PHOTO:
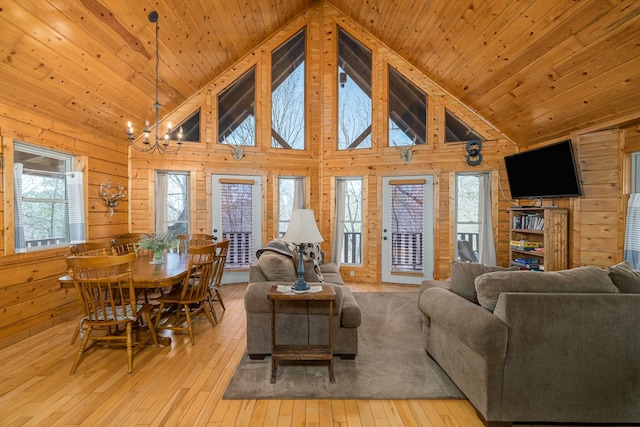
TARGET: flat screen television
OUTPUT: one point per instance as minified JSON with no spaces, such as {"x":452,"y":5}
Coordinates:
{"x":545,"y":172}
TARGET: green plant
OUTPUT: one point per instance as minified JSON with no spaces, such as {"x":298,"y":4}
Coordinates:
{"x":158,"y":242}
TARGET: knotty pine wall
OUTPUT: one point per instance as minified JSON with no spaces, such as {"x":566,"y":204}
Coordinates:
{"x":31,"y":300}
{"x":321,"y":163}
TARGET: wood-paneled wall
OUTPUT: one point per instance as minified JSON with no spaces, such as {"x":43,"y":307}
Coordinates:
{"x":31,"y":300}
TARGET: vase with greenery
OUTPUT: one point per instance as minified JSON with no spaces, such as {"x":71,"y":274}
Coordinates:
{"x":158,"y":243}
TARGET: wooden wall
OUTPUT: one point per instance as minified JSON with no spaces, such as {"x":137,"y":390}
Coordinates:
{"x":322,"y":162}
{"x":31,"y":300}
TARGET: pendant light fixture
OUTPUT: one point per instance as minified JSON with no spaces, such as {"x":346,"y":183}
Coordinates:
{"x":162,"y":145}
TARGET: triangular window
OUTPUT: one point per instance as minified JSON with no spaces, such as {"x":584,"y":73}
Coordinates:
{"x":457,"y":130}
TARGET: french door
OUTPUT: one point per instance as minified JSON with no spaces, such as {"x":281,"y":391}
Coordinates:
{"x":237,"y":216}
{"x":407,"y":229}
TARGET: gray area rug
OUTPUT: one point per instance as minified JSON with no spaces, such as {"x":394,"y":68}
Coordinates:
{"x":391,"y":362}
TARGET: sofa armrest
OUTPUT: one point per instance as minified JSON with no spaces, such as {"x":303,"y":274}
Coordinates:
{"x":351,"y":315}
{"x":572,"y":355}
{"x":255,"y":274}
{"x":426,"y":284}
{"x":471,"y":324}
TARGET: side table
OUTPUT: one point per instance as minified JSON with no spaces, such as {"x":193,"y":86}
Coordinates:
{"x":302,"y":352}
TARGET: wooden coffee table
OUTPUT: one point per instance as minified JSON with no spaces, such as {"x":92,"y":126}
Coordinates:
{"x":302,"y":352}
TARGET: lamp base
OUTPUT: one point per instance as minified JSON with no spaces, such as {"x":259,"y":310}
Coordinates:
{"x":300,"y":286}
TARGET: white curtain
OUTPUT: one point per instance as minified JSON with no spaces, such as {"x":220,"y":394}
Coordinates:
{"x":338,"y":232}
{"x":75,"y":200}
{"x":161,"y":201}
{"x":632,"y":234}
{"x":486,"y":244}
{"x":21,"y":245}
{"x":299,"y":201}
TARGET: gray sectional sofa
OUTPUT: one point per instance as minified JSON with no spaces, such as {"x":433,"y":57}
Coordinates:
{"x":560,"y":347}
{"x":298,"y":322}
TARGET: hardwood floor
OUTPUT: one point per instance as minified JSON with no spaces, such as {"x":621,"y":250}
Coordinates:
{"x":181,"y":385}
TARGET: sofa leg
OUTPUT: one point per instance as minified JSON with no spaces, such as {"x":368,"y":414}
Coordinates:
{"x":257,"y":356}
{"x":346,"y":356}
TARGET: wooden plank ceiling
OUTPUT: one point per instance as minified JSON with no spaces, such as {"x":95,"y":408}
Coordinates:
{"x":536,"y":70}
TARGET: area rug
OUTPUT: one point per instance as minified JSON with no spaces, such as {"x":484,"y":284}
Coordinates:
{"x":391,"y":362}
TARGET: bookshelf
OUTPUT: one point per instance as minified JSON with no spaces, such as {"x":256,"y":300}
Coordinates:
{"x":539,"y":238}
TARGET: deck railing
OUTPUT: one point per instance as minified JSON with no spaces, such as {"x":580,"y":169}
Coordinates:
{"x":45,"y":242}
{"x":240,"y":248}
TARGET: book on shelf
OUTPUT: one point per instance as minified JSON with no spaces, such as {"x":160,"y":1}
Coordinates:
{"x":528,"y":222}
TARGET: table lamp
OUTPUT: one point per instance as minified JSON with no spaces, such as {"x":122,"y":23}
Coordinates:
{"x":302,"y":230}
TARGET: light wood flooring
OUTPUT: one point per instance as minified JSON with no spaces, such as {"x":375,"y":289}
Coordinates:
{"x":181,"y":385}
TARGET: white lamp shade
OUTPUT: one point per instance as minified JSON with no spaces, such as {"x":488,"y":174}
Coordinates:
{"x":302,"y":228}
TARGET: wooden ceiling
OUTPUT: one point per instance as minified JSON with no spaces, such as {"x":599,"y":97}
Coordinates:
{"x":537,"y":70}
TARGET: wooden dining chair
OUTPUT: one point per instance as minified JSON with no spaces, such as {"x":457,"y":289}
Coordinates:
{"x":222,"y":248}
{"x":188,"y":301}
{"x":89,"y":248}
{"x":185,"y":241}
{"x":105,"y":290}
{"x":126,"y":243}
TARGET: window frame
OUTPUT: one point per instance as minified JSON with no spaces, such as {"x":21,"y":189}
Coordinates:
{"x":343,"y":220}
{"x":69,"y":164}
{"x":635,"y":172}
{"x":187,"y":192}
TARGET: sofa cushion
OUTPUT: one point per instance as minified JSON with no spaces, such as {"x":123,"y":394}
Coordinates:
{"x":626,"y":279}
{"x":576,"y":280}
{"x":276,"y":266}
{"x":463,"y":275}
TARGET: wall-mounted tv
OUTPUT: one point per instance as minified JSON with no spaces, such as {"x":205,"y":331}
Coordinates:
{"x":545,"y":172}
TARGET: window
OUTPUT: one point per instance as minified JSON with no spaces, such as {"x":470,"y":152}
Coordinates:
{"x":287,"y":94}
{"x":236,"y":111}
{"x":291,"y":195}
{"x":474,"y":229}
{"x":354,"y":93}
{"x":635,"y":171}
{"x":172,"y":202}
{"x":467,"y":217}
{"x":349,"y":206}
{"x":190,"y":128}
{"x":48,"y":196}
{"x":457,"y":130}
{"x":407,"y":112}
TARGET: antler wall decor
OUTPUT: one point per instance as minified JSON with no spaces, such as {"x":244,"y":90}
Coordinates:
{"x":405,"y":152}
{"x":112,"y":198}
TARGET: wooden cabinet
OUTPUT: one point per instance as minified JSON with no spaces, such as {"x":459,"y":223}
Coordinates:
{"x":539,"y":238}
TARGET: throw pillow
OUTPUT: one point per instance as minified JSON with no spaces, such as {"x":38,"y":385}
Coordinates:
{"x":277,"y":267}
{"x":576,"y":280}
{"x":626,"y":279}
{"x":463,"y":275}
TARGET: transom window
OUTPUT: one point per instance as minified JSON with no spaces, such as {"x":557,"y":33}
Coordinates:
{"x":407,"y":111}
{"x":288,"y":94}
{"x":457,"y":130}
{"x":236,"y":111}
{"x":354,"y":93}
